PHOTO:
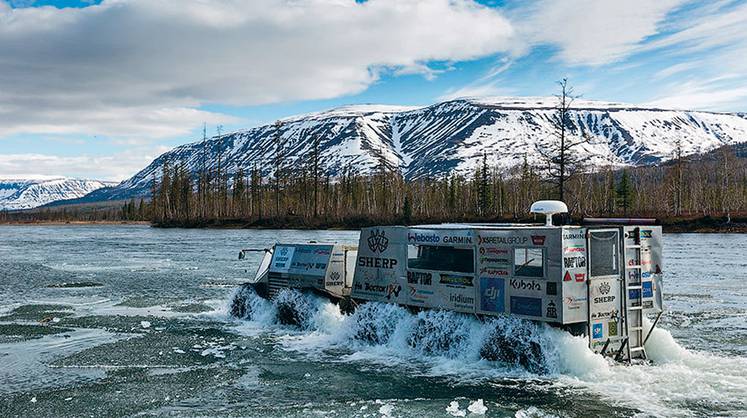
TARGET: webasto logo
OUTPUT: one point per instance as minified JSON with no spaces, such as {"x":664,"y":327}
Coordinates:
{"x":415,"y":237}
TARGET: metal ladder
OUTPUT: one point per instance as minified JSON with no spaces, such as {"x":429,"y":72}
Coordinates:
{"x":633,"y":296}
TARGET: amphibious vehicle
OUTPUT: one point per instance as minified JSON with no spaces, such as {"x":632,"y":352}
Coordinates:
{"x":598,"y":279}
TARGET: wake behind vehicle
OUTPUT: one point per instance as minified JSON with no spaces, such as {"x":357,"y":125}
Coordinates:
{"x":598,"y":280}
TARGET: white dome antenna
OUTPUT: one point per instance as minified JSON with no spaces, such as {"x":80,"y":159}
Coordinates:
{"x":548,"y":208}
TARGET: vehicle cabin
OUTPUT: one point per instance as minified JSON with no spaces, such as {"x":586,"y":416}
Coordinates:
{"x":596,"y":280}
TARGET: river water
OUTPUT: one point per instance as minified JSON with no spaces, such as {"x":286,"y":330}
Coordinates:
{"x":131,"y":320}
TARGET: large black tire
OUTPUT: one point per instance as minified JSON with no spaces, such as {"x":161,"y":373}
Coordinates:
{"x":240,"y":306}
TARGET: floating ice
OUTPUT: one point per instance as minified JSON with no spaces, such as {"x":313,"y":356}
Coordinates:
{"x":386,"y":410}
{"x":145,"y":324}
{"x":454,"y":410}
{"x":33,"y":400}
{"x":477,"y":407}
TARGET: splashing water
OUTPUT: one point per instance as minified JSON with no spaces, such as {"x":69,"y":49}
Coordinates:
{"x":463,"y":348}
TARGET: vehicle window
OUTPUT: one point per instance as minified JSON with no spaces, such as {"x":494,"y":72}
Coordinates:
{"x":432,"y":257}
{"x":529,"y":262}
{"x":604,"y":253}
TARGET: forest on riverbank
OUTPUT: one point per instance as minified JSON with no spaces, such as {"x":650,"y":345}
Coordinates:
{"x":705,"y":192}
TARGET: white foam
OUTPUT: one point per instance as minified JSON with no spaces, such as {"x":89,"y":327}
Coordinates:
{"x":447,"y":344}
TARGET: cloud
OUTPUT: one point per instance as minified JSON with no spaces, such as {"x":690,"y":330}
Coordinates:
{"x":114,"y":167}
{"x":710,"y":46}
{"x":592,"y":32}
{"x":712,"y":94}
{"x":490,"y":84}
{"x":143,"y":68}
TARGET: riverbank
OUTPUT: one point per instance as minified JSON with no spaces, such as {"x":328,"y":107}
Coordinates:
{"x":57,"y":223}
{"x":703,"y":224}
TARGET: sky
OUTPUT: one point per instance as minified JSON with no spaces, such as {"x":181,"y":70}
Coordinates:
{"x":97,"y":89}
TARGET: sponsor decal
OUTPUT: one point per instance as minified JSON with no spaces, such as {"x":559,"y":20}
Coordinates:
{"x":612,"y":328}
{"x":455,"y":281}
{"x":492,"y":292}
{"x":574,"y":302}
{"x":377,"y":262}
{"x":322,"y":252}
{"x":494,"y":260}
{"x":633,"y":275}
{"x":425,"y":238}
{"x":298,"y":265}
{"x":458,"y":240}
{"x":648,"y":304}
{"x":525,"y":285}
{"x":428,"y":238}
{"x":597,"y":331}
{"x":335,"y":279}
{"x":567,"y":277}
{"x":604,"y":299}
{"x":646,"y":233}
{"x":393,"y":291}
{"x":580,"y":277}
{"x":378,"y":242}
{"x":538,"y":239}
{"x":603,"y":315}
{"x":574,"y":262}
{"x":552,"y":288}
{"x":494,"y":272}
{"x":575,"y":249}
{"x":526,"y":306}
{"x":417,"y":277}
{"x":419,"y":295}
{"x":494,"y":250}
{"x":462,"y":301}
{"x":552,"y":311}
{"x":502,"y":240}
{"x":604,"y":290}
{"x":657,"y":270}
{"x":648,"y":289}
{"x":646,"y":274}
{"x":282,"y":258}
{"x":574,"y":235}
{"x":370,"y":287}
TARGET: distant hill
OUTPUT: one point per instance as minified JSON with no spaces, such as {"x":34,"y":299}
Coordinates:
{"x":17,"y":194}
{"x":449,"y":137}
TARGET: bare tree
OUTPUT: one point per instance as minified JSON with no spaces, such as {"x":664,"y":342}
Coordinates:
{"x":560,"y":158}
{"x":278,"y":164}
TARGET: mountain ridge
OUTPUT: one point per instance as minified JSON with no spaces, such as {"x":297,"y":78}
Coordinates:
{"x":450,"y":136}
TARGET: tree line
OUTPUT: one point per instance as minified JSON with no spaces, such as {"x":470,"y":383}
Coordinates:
{"x":714,"y":184}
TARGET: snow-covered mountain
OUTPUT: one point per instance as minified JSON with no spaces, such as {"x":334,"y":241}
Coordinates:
{"x":18,"y":194}
{"x":451,"y":137}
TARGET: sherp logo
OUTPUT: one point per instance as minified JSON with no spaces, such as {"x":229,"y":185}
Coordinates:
{"x":378,"y":242}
